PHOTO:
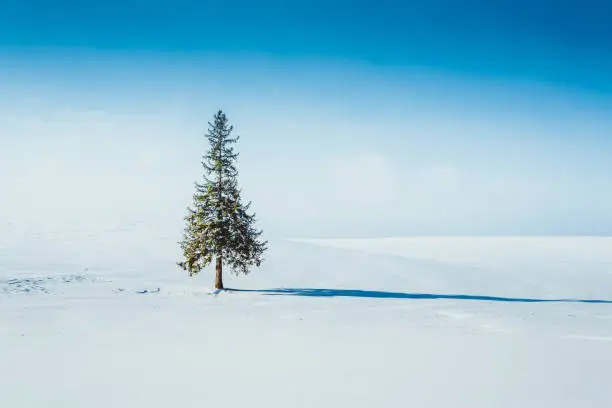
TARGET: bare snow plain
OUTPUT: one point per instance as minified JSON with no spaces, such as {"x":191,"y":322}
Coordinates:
{"x":105,"y":319}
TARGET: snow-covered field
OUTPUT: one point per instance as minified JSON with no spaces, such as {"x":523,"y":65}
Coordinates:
{"x":107,"y":320}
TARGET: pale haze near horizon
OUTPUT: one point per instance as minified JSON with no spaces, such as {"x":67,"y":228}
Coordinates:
{"x":326,"y":150}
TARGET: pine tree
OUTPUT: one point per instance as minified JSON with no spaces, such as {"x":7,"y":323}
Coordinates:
{"x":218,"y":225}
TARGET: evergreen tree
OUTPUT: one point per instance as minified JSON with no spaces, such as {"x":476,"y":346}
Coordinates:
{"x":218,"y":225}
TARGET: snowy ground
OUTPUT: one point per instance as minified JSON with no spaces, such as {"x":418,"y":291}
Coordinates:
{"x":107,"y":321}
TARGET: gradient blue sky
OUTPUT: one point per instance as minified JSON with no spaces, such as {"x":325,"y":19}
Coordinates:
{"x":358,"y":118}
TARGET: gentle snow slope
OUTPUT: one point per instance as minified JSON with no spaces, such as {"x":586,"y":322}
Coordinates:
{"x":106,"y":321}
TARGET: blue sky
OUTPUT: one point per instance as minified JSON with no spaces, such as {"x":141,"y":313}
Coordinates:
{"x":561,"y":41}
{"x":368,"y":118}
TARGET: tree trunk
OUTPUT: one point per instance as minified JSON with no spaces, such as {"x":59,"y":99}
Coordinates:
{"x":219,"y":274}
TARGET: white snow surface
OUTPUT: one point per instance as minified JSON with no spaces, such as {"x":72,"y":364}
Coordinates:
{"x":105,"y":319}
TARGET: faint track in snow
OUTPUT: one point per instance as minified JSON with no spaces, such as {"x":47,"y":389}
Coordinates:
{"x":41,"y":284}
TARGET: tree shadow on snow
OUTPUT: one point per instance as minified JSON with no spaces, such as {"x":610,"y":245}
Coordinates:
{"x":356,"y":293}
